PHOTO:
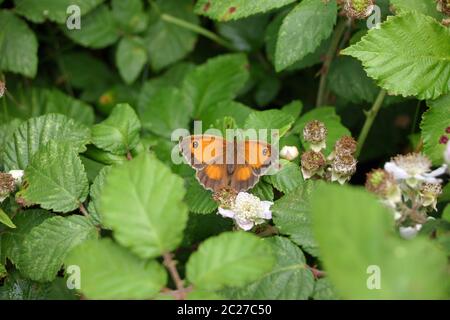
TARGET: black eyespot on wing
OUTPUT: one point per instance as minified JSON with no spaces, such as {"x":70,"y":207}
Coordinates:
{"x":195,"y":144}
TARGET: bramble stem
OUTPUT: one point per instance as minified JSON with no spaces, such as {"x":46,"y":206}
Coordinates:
{"x":83,"y":210}
{"x":370,"y":118}
{"x":337,"y":35}
{"x":170,"y":264}
{"x":197,"y":29}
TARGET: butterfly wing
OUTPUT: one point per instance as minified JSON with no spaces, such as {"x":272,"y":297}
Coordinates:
{"x":257,"y":159}
{"x":206,"y":154}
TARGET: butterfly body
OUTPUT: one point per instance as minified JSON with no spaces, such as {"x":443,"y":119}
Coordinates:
{"x":226,"y":164}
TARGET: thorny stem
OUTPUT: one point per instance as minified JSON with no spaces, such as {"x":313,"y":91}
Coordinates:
{"x":177,"y":294}
{"x":370,"y":117}
{"x":197,"y":29}
{"x":170,"y":264}
{"x":316,"y":272}
{"x":83,"y":210}
{"x":337,"y":35}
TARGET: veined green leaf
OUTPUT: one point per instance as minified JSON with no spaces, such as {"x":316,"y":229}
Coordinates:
{"x":6,"y":220}
{"x":229,"y":259}
{"x":18,"y":46}
{"x":47,"y":245}
{"x":224,"y":10}
{"x":55,"y":179}
{"x":303,"y":30}
{"x":109,"y":271}
{"x":142,"y":203}
{"x":409,"y":55}
{"x":131,"y":57}
{"x":119,"y":133}
{"x":37,"y":132}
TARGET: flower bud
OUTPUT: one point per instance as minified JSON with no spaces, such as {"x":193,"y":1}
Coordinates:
{"x":429,"y":193}
{"x":383,"y":184}
{"x":225,"y":197}
{"x":357,"y":9}
{"x":444,"y":6}
{"x":343,"y":167}
{"x":345,"y":145}
{"x":7,"y":185}
{"x":289,"y":152}
{"x":409,"y":232}
{"x":312,"y":163}
{"x":315,"y":133}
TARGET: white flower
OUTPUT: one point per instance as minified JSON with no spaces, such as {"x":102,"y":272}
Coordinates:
{"x":409,"y":232}
{"x":248,"y":211}
{"x":289,"y":152}
{"x":17,"y":176}
{"x":413,"y":168}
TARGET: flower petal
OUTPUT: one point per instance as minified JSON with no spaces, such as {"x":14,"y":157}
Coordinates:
{"x":245,"y":225}
{"x":226,"y":213}
{"x":439,"y":171}
{"x":396,"y":171}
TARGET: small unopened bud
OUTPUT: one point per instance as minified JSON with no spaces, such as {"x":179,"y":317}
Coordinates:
{"x":2,"y":88}
{"x":383,"y":184}
{"x":429,"y":193}
{"x":315,"y":133}
{"x":343,"y":167}
{"x":312,"y":163}
{"x":7,"y":185}
{"x":444,"y":6}
{"x":225,"y":197}
{"x":345,"y":145}
{"x":357,"y":9}
{"x":289,"y":152}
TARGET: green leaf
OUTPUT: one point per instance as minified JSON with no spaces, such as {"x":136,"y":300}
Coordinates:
{"x":156,"y":222}
{"x":289,"y":279}
{"x":424,"y":7}
{"x":244,"y":34}
{"x":130,"y":58}
{"x":36,"y":101}
{"x":294,"y":109}
{"x":331,"y":120}
{"x":198,"y":199}
{"x":263,"y":190}
{"x":434,"y":123}
{"x":6,"y":220}
{"x":270,"y":119}
{"x":98,"y":29}
{"x":55,"y":179}
{"x":288,"y":178}
{"x":324,"y":290}
{"x":37,"y":132}
{"x":53,"y":10}
{"x":95,"y":194}
{"x":130,"y":15}
{"x":12,"y":240}
{"x":301,"y":33}
{"x":18,"y":46}
{"x":224,"y":10}
{"x":219,"y":79}
{"x":119,"y":133}
{"x":292,"y":216}
{"x":166,"y":111}
{"x":229,"y":259}
{"x":168,"y":42}
{"x":47,"y":245}
{"x":368,"y":241}
{"x":348,"y":80}
{"x":16,"y":287}
{"x":233,"y":109}
{"x":409,"y":55}
{"x":3,"y":273}
{"x":108,"y":271}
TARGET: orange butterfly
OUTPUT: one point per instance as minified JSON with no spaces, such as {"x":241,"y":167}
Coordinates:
{"x":224,"y":164}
